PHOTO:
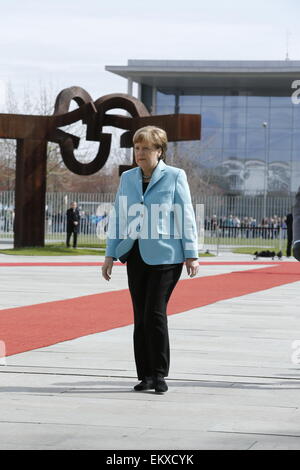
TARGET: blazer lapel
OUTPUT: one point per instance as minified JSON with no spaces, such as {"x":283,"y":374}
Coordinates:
{"x":156,"y":176}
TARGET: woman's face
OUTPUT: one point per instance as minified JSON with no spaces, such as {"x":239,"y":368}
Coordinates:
{"x":146,"y":154}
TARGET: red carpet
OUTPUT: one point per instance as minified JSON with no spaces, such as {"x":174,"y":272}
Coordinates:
{"x":36,"y":326}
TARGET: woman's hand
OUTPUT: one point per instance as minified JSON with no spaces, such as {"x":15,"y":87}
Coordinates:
{"x":107,"y":267}
{"x":192,"y":266}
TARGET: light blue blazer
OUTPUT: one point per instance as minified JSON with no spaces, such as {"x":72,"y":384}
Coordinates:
{"x":162,"y":219}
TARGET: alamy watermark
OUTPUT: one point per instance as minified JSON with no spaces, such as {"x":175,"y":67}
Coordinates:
{"x":176,"y":221}
{"x":296,"y":94}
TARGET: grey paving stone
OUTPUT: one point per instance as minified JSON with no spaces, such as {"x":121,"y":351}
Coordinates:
{"x":232,"y":381}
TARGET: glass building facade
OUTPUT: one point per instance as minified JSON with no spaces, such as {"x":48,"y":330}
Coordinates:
{"x":251,"y":140}
{"x":250,"y":130}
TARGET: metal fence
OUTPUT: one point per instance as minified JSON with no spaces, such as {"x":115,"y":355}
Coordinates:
{"x":226,"y":223}
{"x":245,"y":222}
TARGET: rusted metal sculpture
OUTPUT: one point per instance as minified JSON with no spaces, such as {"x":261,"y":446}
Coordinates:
{"x":33,"y":132}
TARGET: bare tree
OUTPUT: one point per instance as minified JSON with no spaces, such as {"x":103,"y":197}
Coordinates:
{"x":202,"y":179}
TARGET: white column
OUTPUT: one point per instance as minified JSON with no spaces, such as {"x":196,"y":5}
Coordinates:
{"x":153,"y":106}
{"x":129,"y":86}
{"x":139,"y":91}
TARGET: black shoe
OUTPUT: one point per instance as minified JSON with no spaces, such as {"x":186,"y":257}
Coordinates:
{"x":146,"y":384}
{"x":160,"y":385}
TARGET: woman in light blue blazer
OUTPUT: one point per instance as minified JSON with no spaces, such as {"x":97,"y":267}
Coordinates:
{"x":152,"y":228}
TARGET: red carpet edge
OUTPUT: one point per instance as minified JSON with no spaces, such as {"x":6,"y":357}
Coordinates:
{"x":36,"y":326}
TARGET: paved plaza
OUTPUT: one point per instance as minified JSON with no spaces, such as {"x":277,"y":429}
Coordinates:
{"x":234,"y":380}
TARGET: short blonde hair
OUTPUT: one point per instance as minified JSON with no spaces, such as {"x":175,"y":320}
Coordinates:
{"x":153,"y":135}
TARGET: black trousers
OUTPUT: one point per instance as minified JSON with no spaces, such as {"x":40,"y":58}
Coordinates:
{"x":150,"y":288}
{"x":74,"y":239}
{"x":289,"y":243}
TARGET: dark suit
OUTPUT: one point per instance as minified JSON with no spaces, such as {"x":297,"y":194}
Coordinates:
{"x":72,"y":228}
{"x":150,"y":287}
{"x":296,"y":227}
{"x":289,"y":226}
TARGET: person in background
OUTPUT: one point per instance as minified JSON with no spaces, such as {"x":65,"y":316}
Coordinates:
{"x":289,"y":229}
{"x":296,"y":226}
{"x":73,"y":220}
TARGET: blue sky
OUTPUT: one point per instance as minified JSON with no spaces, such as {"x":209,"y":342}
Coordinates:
{"x":69,"y":42}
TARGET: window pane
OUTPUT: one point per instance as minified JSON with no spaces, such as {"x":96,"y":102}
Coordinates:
{"x":234,"y":138}
{"x":258,"y":101}
{"x":210,"y":157}
{"x":234,"y":153}
{"x":235,"y":117}
{"x":256,"y":117}
{"x":258,"y":155}
{"x":280,"y":156}
{"x":189,"y":109}
{"x":296,"y":109}
{"x":189,"y":149}
{"x":295,"y":172}
{"x":160,"y":109}
{"x":212,"y":116}
{"x":256,"y":138}
{"x":212,"y":137}
{"x":279,"y":101}
{"x":214,"y":100}
{"x":280,"y":139}
{"x":190,"y":100}
{"x":296,"y":142}
{"x":165,"y":99}
{"x":281,"y":118}
{"x":279,"y":176}
{"x":235,"y":101}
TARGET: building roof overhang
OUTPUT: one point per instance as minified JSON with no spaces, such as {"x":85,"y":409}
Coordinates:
{"x":197,"y":74}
